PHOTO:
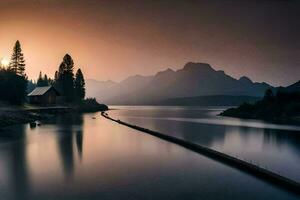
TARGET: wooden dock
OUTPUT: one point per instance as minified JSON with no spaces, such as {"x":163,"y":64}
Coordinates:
{"x":264,"y":174}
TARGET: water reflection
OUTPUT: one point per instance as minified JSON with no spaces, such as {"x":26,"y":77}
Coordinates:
{"x":79,"y":157}
{"x":70,"y":127}
{"x":274,"y":146}
{"x":14,"y":166}
{"x":17,"y":164}
{"x":79,"y":142}
{"x":18,"y":148}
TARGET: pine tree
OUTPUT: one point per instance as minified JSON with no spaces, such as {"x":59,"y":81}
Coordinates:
{"x":40,"y":80}
{"x":45,"y":80}
{"x":79,"y":85}
{"x":69,"y":64}
{"x":65,"y":78}
{"x":17,"y":62}
{"x":56,"y":76}
{"x":13,"y":87}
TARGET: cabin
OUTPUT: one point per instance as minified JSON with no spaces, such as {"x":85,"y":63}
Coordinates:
{"x":43,"y":95}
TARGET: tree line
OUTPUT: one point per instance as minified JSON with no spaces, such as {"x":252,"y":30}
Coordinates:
{"x":71,"y":86}
{"x":283,"y":106}
{"x":14,"y":83}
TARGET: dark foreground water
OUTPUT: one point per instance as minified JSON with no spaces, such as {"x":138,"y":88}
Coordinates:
{"x":89,"y":157}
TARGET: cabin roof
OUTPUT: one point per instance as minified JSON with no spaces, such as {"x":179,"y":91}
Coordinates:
{"x":39,"y":91}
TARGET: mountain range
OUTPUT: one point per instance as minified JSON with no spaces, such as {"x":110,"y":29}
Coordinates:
{"x":292,"y":88}
{"x":193,"y":80}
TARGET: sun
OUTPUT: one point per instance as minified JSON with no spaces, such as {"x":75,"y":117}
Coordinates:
{"x":4,"y":62}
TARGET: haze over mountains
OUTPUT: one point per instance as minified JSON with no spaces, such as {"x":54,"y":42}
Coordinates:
{"x":194,"y":79}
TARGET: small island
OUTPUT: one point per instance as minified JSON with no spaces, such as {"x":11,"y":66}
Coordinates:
{"x":283,"y":107}
{"x":26,"y":100}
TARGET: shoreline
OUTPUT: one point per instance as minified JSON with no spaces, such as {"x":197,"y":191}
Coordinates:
{"x":23,"y":116}
{"x":284,"y":121}
{"x":259,"y":172}
{"x":9,"y":117}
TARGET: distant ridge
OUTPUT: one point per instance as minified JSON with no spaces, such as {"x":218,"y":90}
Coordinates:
{"x":214,"y":100}
{"x":293,"y":88}
{"x":193,"y":80}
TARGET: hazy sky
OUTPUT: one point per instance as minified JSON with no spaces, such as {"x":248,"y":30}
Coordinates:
{"x":112,"y":39}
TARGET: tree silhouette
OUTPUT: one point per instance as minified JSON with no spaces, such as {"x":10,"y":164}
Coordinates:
{"x":65,"y":78}
{"x":43,"y":81}
{"x":12,"y":86}
{"x":79,"y":85}
{"x":283,"y":106}
{"x":13,"y":80}
{"x":17,"y":62}
{"x":269,"y":96}
{"x":40,"y":80}
{"x":31,"y":85}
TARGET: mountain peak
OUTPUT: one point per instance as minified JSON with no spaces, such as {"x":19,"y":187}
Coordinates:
{"x":197,"y":66}
{"x":245,"y":79}
{"x":167,"y":71}
{"x":100,"y":82}
{"x":135,"y":77}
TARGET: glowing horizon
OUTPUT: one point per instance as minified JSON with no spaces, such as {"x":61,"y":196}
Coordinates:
{"x":4,"y":62}
{"x":111,"y":40}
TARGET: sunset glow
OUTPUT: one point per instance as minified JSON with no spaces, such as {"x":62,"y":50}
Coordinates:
{"x":4,"y":62}
{"x":111,"y":40}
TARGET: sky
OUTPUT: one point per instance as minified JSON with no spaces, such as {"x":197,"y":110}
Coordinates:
{"x":113,"y":39}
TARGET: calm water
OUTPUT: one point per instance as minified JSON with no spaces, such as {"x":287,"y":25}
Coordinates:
{"x":272,"y":146}
{"x":89,"y":157}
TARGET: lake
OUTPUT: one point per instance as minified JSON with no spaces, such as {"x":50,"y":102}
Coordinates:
{"x":272,"y":146}
{"x":89,"y":157}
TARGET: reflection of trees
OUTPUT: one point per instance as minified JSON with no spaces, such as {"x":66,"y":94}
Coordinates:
{"x":283,"y":137}
{"x":205,"y":134}
{"x":14,"y":156}
{"x":70,"y":127}
{"x":65,"y":146}
{"x":17,"y":163}
{"x":79,"y":141}
{"x":208,"y":134}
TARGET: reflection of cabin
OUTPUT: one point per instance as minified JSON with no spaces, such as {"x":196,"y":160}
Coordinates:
{"x":43,"y":95}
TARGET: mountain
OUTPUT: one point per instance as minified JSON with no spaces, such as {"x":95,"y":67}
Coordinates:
{"x":94,"y":86}
{"x":293,"y":88}
{"x":194,"y":79}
